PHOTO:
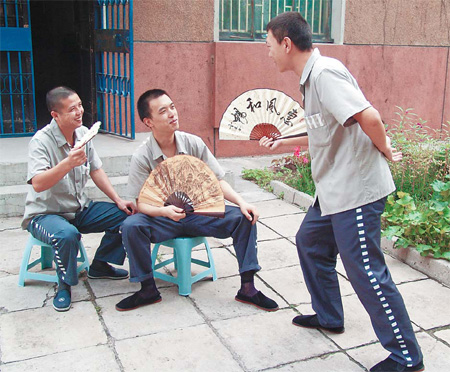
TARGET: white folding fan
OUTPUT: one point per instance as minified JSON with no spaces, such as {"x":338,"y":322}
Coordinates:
{"x":187,"y":183}
{"x":262,"y":112}
{"x":91,"y":133}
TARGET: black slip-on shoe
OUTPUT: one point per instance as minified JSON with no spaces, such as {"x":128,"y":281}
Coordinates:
{"x":259,"y":300}
{"x":109,"y":273}
{"x":311,"y":321}
{"x":135,"y":301}
{"x":390,"y":365}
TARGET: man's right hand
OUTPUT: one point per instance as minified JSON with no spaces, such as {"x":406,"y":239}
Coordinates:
{"x":174,"y":213}
{"x":77,"y":157}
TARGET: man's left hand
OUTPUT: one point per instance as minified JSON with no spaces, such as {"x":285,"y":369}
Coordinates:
{"x":127,"y":206}
{"x":250,"y":212}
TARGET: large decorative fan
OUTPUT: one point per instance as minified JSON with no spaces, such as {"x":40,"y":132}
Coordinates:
{"x":262,"y":112}
{"x":186,"y":182}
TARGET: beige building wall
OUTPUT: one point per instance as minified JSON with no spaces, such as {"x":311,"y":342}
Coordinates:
{"x":397,"y":22}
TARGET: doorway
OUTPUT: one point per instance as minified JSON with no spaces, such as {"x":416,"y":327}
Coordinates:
{"x":63,"y":52}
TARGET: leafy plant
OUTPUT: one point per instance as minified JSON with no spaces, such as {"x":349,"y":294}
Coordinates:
{"x":261,"y":177}
{"x":425,"y":151}
{"x":426,"y":227}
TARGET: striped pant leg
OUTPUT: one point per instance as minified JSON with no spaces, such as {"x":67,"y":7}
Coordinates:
{"x":358,"y":236}
{"x":64,"y":238}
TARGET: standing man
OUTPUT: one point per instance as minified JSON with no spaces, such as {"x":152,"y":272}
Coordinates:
{"x":157,"y":224}
{"x":349,"y":147}
{"x":57,"y":208}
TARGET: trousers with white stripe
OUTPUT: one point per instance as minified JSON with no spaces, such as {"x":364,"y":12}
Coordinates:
{"x":64,"y":236}
{"x":356,"y":235}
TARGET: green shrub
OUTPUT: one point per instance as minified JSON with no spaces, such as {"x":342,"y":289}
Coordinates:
{"x":425,"y":227}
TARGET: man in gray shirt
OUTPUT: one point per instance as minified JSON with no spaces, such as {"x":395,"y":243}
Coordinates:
{"x":349,"y":147}
{"x":57,"y":209}
{"x":156,"y":224}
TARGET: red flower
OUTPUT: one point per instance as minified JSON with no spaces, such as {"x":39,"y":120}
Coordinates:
{"x":297,"y":152}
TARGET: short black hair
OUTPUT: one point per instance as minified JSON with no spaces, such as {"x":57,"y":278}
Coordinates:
{"x":293,"y":26}
{"x":143,"y":105}
{"x":56,"y":95}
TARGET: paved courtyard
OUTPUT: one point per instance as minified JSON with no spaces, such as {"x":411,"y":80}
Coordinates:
{"x":208,"y":330}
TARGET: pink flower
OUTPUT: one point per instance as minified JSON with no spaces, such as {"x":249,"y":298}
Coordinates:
{"x":305,"y":160}
{"x":419,"y":125}
{"x":297,"y":152}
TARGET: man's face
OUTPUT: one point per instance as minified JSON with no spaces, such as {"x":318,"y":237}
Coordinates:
{"x":69,"y":114}
{"x":164,"y":115}
{"x":277,"y":51}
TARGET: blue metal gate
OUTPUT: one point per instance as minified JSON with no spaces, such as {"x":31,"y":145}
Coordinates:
{"x":114,"y":66}
{"x":17,"y":106}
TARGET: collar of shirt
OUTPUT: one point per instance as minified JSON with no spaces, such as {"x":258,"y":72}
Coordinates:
{"x":59,"y":136}
{"x":309,"y":65}
{"x":158,"y":154}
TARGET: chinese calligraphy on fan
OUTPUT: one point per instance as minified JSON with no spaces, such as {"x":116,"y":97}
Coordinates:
{"x":256,"y":106}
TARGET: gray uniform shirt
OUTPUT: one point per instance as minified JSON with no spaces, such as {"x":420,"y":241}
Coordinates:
{"x":47,"y":148}
{"x":148,"y":155}
{"x":348,"y":170}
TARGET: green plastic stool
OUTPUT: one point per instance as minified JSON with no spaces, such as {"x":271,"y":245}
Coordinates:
{"x":46,"y":261}
{"x":182,"y":259}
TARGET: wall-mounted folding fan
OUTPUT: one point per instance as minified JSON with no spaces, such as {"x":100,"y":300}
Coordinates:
{"x":186,"y":182}
{"x":262,"y":112}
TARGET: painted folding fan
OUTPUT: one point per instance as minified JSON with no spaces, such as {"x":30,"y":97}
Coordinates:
{"x":261,"y":113}
{"x":91,"y":133}
{"x":185,"y":182}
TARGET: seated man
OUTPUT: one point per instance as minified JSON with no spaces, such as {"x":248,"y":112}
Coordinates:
{"x":157,"y":224}
{"x":57,"y":208}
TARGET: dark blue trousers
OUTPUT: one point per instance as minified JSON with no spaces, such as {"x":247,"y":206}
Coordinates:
{"x":64,"y":236}
{"x":140,"y":230}
{"x":356,"y":236}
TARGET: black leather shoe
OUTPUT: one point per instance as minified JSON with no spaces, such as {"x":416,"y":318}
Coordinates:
{"x":259,"y":300}
{"x":390,"y":365}
{"x":311,"y":321}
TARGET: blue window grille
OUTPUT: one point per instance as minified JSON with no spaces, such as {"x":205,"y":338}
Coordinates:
{"x":246,"y":20}
{"x":17,"y":107}
{"x":114,"y":66}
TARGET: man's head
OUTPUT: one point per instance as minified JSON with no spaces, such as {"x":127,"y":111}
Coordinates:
{"x":65,"y":107}
{"x":157,"y":111}
{"x":293,"y":26}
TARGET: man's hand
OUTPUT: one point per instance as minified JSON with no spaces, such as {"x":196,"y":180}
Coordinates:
{"x":127,"y":206}
{"x":391,"y":153}
{"x":249,"y":211}
{"x":269,"y":143}
{"x":174,"y":213}
{"x":77,"y":157}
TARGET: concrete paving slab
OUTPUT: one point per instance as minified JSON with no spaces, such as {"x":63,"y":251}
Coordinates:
{"x":217,"y":301}
{"x":268,"y":340}
{"x":275,"y":254}
{"x":172,"y":312}
{"x":11,"y":250}
{"x":38,"y":332}
{"x":427,"y":303}
{"x":96,"y":358}
{"x":285,"y":225}
{"x":187,"y":349}
{"x":225,"y":262}
{"x":289,"y":283}
{"x":337,"y":362}
{"x":443,"y":335}
{"x":402,"y":273}
{"x":276,"y":207}
{"x":34,"y":295}
{"x":265,"y":233}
